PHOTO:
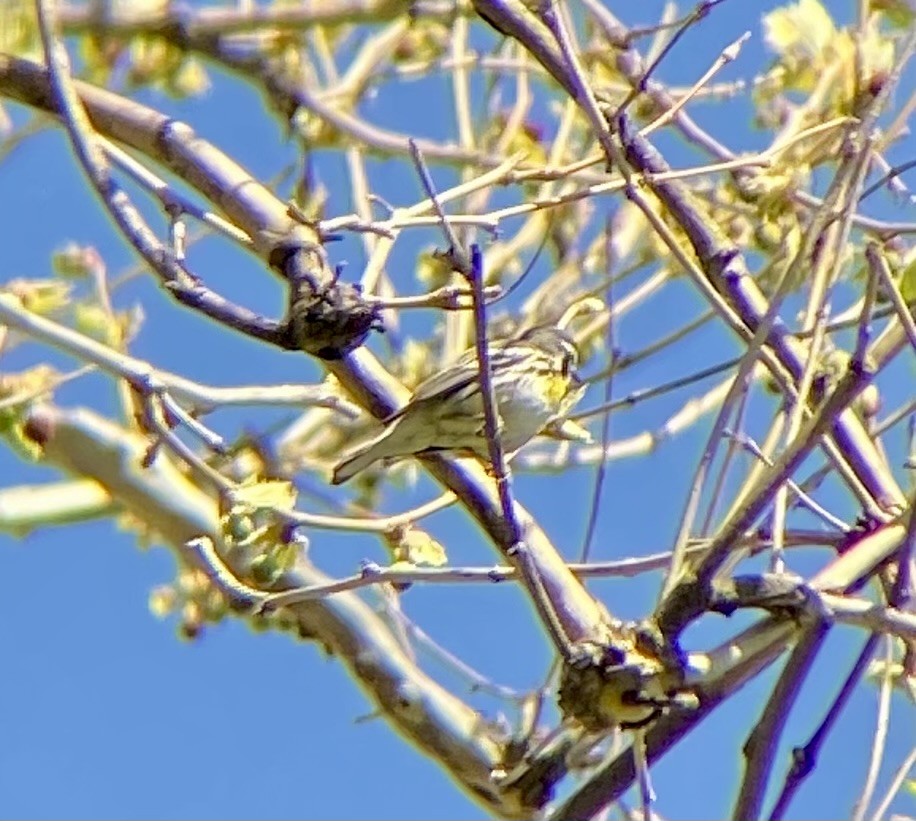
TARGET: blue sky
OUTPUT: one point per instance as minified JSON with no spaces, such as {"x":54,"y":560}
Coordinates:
{"x":105,"y":713}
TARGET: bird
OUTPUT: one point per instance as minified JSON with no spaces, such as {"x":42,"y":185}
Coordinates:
{"x":534,"y":381}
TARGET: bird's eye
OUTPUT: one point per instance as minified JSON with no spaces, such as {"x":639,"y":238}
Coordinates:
{"x":570,"y":360}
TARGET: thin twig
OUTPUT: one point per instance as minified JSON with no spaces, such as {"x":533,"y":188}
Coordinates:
{"x":513,"y":537}
{"x":761,"y":745}
{"x":804,"y":759}
{"x":897,"y":782}
{"x":882,"y":725}
{"x":594,"y":507}
{"x":180,"y":283}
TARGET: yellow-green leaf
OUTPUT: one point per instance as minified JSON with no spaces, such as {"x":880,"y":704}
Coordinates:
{"x":75,"y":261}
{"x":41,"y":296}
{"x":93,"y":320}
{"x":433,"y":270}
{"x":416,"y":547}
{"x":908,"y":283}
{"x":19,"y":29}
{"x":899,"y":13}
{"x":266,"y":493}
{"x":803,"y":30}
{"x":190,"y":79}
{"x":162,"y":601}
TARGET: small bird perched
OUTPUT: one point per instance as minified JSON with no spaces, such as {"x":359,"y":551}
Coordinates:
{"x":534,"y":380}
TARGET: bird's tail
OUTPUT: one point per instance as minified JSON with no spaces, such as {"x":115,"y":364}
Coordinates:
{"x":383,"y":445}
{"x":355,"y":462}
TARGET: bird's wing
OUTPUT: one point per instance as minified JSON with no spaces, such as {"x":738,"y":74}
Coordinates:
{"x":457,"y":377}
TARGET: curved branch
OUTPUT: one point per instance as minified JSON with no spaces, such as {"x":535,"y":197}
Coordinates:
{"x":441,"y":725}
{"x":263,"y":216}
